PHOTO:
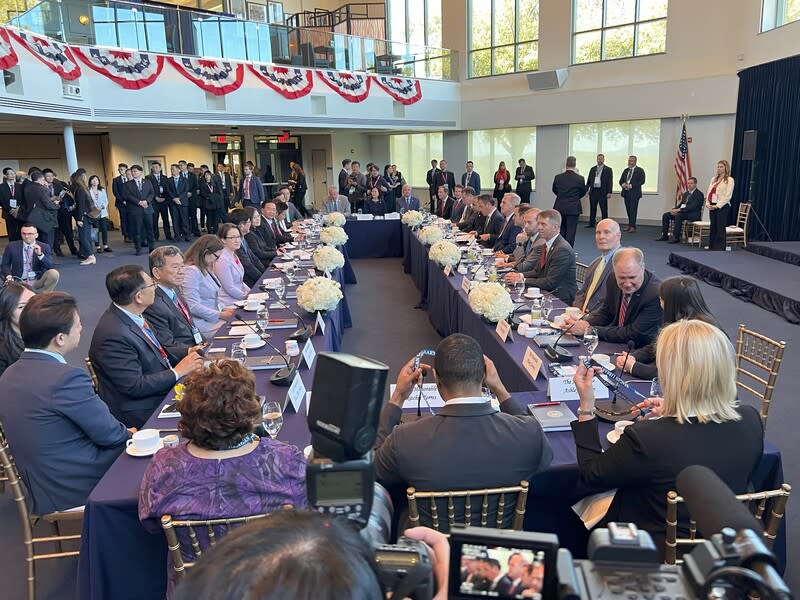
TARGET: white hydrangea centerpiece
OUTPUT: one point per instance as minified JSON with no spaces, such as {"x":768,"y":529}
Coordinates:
{"x":333,"y":236}
{"x":319,"y":293}
{"x":491,"y":301}
{"x":412,"y":218}
{"x":336,"y":219}
{"x":445,"y":252}
{"x":328,"y":259}
{"x":430,"y":234}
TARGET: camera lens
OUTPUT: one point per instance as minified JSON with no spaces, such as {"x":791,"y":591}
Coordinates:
{"x":379,"y":526}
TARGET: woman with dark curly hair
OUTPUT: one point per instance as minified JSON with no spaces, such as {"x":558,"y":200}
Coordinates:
{"x":13,"y":298}
{"x":221,"y":468}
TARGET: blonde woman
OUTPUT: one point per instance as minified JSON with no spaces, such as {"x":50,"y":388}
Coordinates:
{"x":700,"y":423}
{"x":718,"y":201}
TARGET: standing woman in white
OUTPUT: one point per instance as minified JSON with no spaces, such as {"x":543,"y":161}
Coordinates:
{"x":718,"y":201}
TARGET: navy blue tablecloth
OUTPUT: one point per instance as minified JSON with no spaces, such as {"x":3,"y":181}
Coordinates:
{"x":374,"y":239}
{"x":349,"y":273}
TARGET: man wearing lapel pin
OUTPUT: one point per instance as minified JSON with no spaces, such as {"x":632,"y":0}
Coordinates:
{"x":526,"y":251}
{"x":689,"y":208}
{"x":471,"y":178}
{"x":134,"y":370}
{"x":607,"y":238}
{"x":632,"y":180}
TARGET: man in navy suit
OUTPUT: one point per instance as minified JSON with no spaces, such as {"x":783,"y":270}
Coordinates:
{"x":10,"y":201}
{"x":443,"y":204}
{"x":407,"y":201}
{"x":30,"y":261}
{"x":445,"y":178}
{"x":506,"y":240}
{"x":177,"y":192}
{"x":134,"y":370}
{"x":607,"y":238}
{"x":690,"y":208}
{"x":631,"y":181}
{"x":492,"y":223}
{"x":139,"y":197}
{"x":190,"y":178}
{"x":524,"y":177}
{"x":225,"y":183}
{"x":119,"y":201}
{"x":459,"y":204}
{"x":598,"y":184}
{"x":61,"y":433}
{"x":471,"y":178}
{"x":569,"y":188}
{"x":251,"y":192}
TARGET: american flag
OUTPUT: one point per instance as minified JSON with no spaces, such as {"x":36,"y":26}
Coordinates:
{"x":683,"y":165}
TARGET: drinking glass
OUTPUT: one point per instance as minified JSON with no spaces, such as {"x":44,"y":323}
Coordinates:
{"x":547,"y":307}
{"x":280,"y":290}
{"x":519,"y":287}
{"x":591,"y":339}
{"x":239,"y":352}
{"x":655,"y":388}
{"x":262,"y":320}
{"x":536,"y":311}
{"x":272,"y":418}
{"x":290,"y":273}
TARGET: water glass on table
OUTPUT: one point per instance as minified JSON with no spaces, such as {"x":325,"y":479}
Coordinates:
{"x":655,"y":388}
{"x":280,"y":290}
{"x":591,"y":340}
{"x":262,"y":321}
{"x":272,"y":418}
{"x":239,"y":352}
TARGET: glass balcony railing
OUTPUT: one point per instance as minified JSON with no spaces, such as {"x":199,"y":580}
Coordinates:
{"x":175,"y":30}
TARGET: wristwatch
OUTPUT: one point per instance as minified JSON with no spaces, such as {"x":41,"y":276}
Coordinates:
{"x":585,"y":413}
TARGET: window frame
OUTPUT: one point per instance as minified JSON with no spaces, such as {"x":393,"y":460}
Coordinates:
{"x":406,"y":30}
{"x":778,"y":20}
{"x":492,"y":47}
{"x":487,"y":178}
{"x":404,"y":164}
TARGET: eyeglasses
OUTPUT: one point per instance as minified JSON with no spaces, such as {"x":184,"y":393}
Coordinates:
{"x":233,"y":237}
{"x":149,"y":285}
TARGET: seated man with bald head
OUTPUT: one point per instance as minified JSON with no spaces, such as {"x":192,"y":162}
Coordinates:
{"x":607,"y":236}
{"x":631,"y":309}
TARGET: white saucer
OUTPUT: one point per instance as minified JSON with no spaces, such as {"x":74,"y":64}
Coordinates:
{"x":138,"y":453}
{"x":533,"y":297}
{"x":240,"y":303}
{"x":484,"y":278}
{"x":245,"y":309}
{"x":487,"y":252}
{"x":256,"y":346}
{"x":612,"y":436}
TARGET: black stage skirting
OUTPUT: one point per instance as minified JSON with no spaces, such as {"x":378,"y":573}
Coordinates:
{"x":374,"y":239}
{"x":788,"y":252}
{"x":767,"y":283}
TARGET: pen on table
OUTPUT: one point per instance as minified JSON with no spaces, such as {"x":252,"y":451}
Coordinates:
{"x":540,"y":404}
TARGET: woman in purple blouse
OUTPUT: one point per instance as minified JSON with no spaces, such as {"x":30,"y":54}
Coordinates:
{"x":225,"y":469}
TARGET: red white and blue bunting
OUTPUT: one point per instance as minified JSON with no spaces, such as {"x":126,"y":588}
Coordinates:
{"x":403,"y":89}
{"x":54,"y":54}
{"x":8,"y":56}
{"x":131,"y":70}
{"x":289,"y":82}
{"x":353,"y":87}
{"x":219,"y":77}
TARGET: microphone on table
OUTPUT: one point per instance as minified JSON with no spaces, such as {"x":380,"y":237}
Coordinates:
{"x":303,"y":332}
{"x":556,"y":354}
{"x":610,"y":410}
{"x":282,"y":377}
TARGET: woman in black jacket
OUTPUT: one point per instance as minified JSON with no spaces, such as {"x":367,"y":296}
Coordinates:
{"x":213,"y":202}
{"x":83,"y":208}
{"x":13,"y":298}
{"x":297,"y":183}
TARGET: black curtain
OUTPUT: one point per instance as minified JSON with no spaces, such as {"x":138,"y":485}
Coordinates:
{"x":769,"y":102}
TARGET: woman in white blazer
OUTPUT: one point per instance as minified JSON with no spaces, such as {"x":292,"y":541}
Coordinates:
{"x":718,"y":201}
{"x":228,"y":268}
{"x":201,"y":286}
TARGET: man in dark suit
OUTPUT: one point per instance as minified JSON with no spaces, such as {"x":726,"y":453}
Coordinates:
{"x":139,"y":196}
{"x":492,"y":222}
{"x":554,"y":265}
{"x":161,"y":204}
{"x":407,"y":201}
{"x":607,"y":237}
{"x":443,"y":205}
{"x":134,"y":370}
{"x":569,"y":188}
{"x":524,"y":178}
{"x":253,"y":268}
{"x":259,"y":244}
{"x":177,"y":191}
{"x":343,"y":175}
{"x":169,"y":314}
{"x":632,"y":307}
{"x":506,"y":240}
{"x":598,"y":185}
{"x":469,"y":220}
{"x":191,"y":192}
{"x":268,"y":226}
{"x":119,"y":200}
{"x":62,"y":435}
{"x":690,"y":208}
{"x":516,"y":568}
{"x":445,"y":178}
{"x":524,"y":255}
{"x":42,"y":210}
{"x":10,"y":200}
{"x":30,"y":261}
{"x":66,"y":208}
{"x":471,"y":178}
{"x":632,"y":181}
{"x":223,"y":180}
{"x":430,"y":179}
{"x":459,"y":204}
{"x":467,"y":450}
{"x":251,"y":192}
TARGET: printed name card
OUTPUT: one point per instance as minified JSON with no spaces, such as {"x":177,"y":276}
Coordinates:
{"x":561,"y":389}
{"x":363,"y":217}
{"x":296,"y":393}
{"x":448,"y":269}
{"x":465,"y":285}
{"x":532,"y":363}
{"x":502,"y":329}
{"x":430,"y":397}
{"x":309,"y":353}
{"x":320,"y":323}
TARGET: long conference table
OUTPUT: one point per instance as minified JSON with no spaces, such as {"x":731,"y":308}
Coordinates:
{"x":121,"y":559}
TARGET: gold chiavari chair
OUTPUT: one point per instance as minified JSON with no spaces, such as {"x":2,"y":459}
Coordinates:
{"x":699,"y":229}
{"x":30,"y":520}
{"x":491,"y":501}
{"x":179,"y":565}
{"x":92,"y":374}
{"x":767,"y":507}
{"x":758,"y":360}
{"x":580,"y":272}
{"x":737,"y":234}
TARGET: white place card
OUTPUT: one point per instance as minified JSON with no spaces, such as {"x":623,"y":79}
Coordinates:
{"x":320,"y":323}
{"x":448,"y":269}
{"x":296,"y":393}
{"x":532,"y":363}
{"x":502,"y":329}
{"x":260,"y":296}
{"x":395,"y":216}
{"x":367,"y":217}
{"x":430,"y":393}
{"x":465,"y":285}
{"x":309,"y":353}
{"x":311,"y":272}
{"x":561,"y":389}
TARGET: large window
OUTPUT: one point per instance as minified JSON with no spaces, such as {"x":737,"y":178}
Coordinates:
{"x":617,"y":140}
{"x":416,"y":22}
{"x":775,"y":13}
{"x":487,"y":147}
{"x":610,"y":29}
{"x":503,"y":36}
{"x":412,"y":153}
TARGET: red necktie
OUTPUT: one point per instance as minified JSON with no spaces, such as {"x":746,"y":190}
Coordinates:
{"x":623,"y":309}
{"x":154,"y":342}
{"x":275,"y":230}
{"x":543,"y":256}
{"x":183,"y":310}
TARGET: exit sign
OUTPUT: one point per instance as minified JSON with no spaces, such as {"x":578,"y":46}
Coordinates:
{"x":688,"y":140}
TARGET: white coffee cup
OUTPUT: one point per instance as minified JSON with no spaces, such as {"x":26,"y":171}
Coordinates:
{"x":522,"y":328}
{"x":252,"y":304}
{"x":573,"y":311}
{"x":144,"y":440}
{"x":292,"y":348}
{"x":620,"y":426}
{"x":251,"y":339}
{"x":534,"y":291}
{"x":532,"y":332}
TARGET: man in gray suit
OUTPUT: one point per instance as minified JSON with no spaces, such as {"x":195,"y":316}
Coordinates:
{"x":407,"y":201}
{"x":335,"y":202}
{"x":607,"y":236}
{"x":467,"y":451}
{"x":554,"y":268}
{"x":527,"y":249}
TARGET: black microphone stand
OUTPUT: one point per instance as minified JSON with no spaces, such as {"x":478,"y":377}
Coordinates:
{"x":282,"y":377}
{"x":304,"y":331}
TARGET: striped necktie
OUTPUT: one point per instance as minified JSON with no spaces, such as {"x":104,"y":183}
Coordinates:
{"x":623,"y":309}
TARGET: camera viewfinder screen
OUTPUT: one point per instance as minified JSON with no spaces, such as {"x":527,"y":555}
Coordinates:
{"x":340,"y":486}
{"x":500,"y":572}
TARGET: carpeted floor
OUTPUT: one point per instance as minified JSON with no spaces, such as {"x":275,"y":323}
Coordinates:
{"x":388,"y":328}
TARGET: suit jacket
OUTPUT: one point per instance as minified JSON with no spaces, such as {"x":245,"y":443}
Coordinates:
{"x":445,"y":178}
{"x":458,"y":210}
{"x":411,"y":204}
{"x":13,"y":260}
{"x":42,"y":211}
{"x":506,"y":240}
{"x":599,"y":294}
{"x":159,"y":185}
{"x":645,"y":461}
{"x":230,"y":273}
{"x":343,"y":187}
{"x":606,"y":181}
{"x":192,"y":182}
{"x":132,"y":376}
{"x":341,"y":204}
{"x":642,"y":317}
{"x":524,"y":185}
{"x":256,"y":192}
{"x":637,"y":181}
{"x":430,"y":179}
{"x":259,"y":247}
{"x":265,"y":236}
{"x":569,"y":188}
{"x":558,"y":273}
{"x":526,"y":255}
{"x":474,"y":182}
{"x":133,"y":196}
{"x":269,"y":235}
{"x":250,"y":263}
{"x":492,"y":225}
{"x":691,"y":206}
{"x":169,"y":324}
{"x":374,"y":208}
{"x":6,"y":196}
{"x":213,"y":199}
{"x":180,"y":191}
{"x":62,"y":435}
{"x":471,"y":221}
{"x":228,"y":191}
{"x":116,"y":190}
{"x":510,"y":438}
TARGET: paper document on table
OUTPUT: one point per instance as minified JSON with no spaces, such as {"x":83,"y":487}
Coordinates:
{"x":392,"y":216}
{"x":593,"y":508}
{"x":429,"y":393}
{"x":241,"y":330}
{"x":260,"y":296}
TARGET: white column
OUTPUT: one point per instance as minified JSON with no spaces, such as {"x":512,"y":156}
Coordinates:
{"x":69,"y":148}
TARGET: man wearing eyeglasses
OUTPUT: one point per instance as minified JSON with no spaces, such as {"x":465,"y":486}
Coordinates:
{"x":30,"y":261}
